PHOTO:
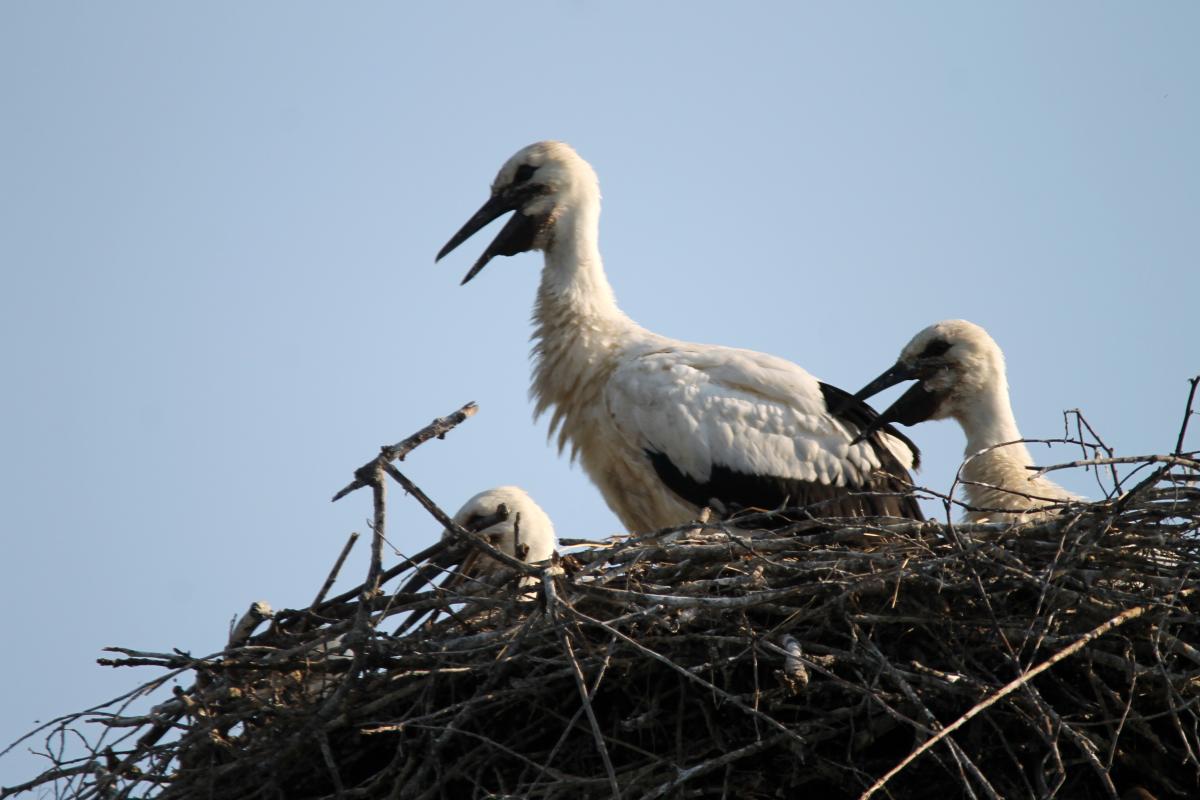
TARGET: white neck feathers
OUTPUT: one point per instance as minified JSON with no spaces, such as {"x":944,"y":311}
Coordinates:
{"x":579,"y":330}
{"x":998,"y":475}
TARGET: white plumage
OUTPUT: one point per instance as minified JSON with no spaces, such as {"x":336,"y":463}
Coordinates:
{"x":664,"y":427}
{"x":960,"y":373}
{"x":526,"y":534}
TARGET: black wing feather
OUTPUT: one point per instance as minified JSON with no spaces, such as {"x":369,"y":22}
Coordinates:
{"x":884,"y":494}
{"x":729,"y":491}
{"x":858,"y":415}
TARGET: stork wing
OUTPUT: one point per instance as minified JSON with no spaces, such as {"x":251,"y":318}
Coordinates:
{"x":735,"y":429}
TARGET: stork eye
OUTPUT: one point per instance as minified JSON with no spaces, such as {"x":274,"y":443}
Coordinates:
{"x":934,"y":349}
{"x":524,"y":173}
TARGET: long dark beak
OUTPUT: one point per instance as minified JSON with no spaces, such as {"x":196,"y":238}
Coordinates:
{"x":896,"y":373}
{"x":515,"y":237}
{"x":916,"y":405}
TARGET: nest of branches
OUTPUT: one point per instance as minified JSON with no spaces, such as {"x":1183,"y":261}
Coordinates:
{"x":846,"y":658}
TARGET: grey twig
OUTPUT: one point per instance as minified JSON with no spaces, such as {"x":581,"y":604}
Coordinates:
{"x":396,"y":452}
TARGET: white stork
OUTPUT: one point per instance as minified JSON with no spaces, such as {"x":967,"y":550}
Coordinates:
{"x":526,"y":533}
{"x":666,"y":428}
{"x":509,"y":520}
{"x":960,"y":373}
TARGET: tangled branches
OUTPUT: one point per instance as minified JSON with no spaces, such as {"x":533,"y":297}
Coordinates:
{"x":844,"y":658}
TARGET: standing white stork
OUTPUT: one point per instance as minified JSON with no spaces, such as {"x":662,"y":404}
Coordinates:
{"x":663,"y":427}
{"x":959,"y":371}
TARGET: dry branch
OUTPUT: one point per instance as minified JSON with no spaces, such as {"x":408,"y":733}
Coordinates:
{"x":364,"y":475}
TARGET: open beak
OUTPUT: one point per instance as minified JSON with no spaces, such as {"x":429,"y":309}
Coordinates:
{"x":515,"y":237}
{"x":916,"y":405}
{"x":896,"y":373}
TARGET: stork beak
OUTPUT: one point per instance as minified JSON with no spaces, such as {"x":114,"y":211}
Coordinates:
{"x":896,"y":373}
{"x":515,"y":237}
{"x":916,"y":405}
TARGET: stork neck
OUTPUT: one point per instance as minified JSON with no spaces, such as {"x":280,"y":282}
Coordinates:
{"x":573,"y":278}
{"x":989,"y":421}
{"x":574,"y":288}
{"x":579,"y":331}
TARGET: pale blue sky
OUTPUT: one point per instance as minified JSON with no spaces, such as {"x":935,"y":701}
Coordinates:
{"x":219,"y":224}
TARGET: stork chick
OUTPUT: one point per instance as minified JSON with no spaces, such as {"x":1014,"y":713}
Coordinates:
{"x":526,"y":533}
{"x":960,"y":374}
{"x":509,"y":520}
{"x":667,"y":428}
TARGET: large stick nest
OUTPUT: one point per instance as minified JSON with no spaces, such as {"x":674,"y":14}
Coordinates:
{"x":840,"y":658}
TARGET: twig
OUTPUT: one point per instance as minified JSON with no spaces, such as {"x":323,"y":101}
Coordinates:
{"x":333,"y":573}
{"x":1187,"y":414}
{"x":53,"y":774}
{"x":379,"y":498}
{"x":1011,"y":686}
{"x":1173,"y":460}
{"x":708,"y":766}
{"x":587,"y":708}
{"x":956,"y":752}
{"x":331,"y":764}
{"x":406,"y":563}
{"x":1099,"y":444}
{"x":396,"y":452}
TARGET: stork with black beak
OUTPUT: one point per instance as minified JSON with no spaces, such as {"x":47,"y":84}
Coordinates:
{"x":522,"y":530}
{"x":666,"y":428}
{"x":959,"y":373}
{"x":508,"y":519}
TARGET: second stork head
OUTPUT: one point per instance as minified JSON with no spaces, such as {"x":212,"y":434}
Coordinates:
{"x":544,"y":183}
{"x":956,"y":366}
{"x":959,"y":373}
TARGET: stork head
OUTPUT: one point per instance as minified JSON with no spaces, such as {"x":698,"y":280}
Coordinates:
{"x":540,"y":183}
{"x":526,"y":533}
{"x":953,"y":362}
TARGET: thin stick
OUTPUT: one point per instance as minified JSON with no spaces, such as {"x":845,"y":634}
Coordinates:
{"x":552,"y":603}
{"x":581,"y":686}
{"x":1187,"y":415}
{"x":331,"y":765}
{"x":705,"y":767}
{"x":407,"y":562}
{"x":1096,"y":446}
{"x":337,"y":567}
{"x":1178,"y":460}
{"x":52,"y":774}
{"x":379,"y":495}
{"x":396,"y":452}
{"x":1009,"y":688}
